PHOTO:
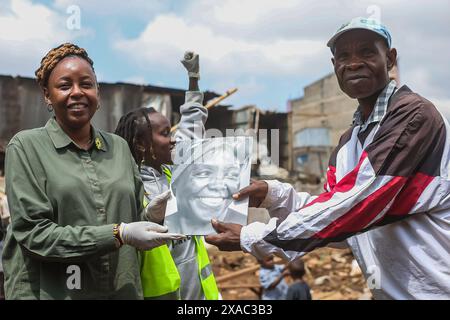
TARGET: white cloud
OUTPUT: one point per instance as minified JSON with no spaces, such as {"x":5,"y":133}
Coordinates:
{"x":420,"y":79}
{"x":114,"y":8}
{"x":243,"y":40}
{"x":254,"y":45}
{"x":32,"y":29}
{"x":248,"y":11}
{"x":135,"y":80}
{"x":226,"y":61}
{"x":443,"y":105}
{"x":165,"y":39}
{"x":27,"y":22}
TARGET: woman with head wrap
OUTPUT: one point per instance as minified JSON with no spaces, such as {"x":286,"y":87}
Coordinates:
{"x":75,"y":197}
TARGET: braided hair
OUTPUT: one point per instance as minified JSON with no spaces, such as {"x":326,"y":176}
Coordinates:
{"x":55,"y":55}
{"x":133,"y":127}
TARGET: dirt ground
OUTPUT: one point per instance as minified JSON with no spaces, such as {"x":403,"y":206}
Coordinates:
{"x":331,"y":274}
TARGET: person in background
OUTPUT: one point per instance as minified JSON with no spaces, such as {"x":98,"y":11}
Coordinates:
{"x":299,"y":289}
{"x":271,"y":276}
{"x":148,"y":134}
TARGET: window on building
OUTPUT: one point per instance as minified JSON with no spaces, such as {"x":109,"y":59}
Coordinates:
{"x":243,"y":116}
{"x":302,"y":160}
{"x":312,"y":137}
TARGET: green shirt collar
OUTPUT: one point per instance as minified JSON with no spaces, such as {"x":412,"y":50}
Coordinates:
{"x":61,"y":140}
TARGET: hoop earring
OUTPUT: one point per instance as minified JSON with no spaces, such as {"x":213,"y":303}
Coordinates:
{"x":98,"y":106}
{"x":50,"y":107}
{"x":142,"y":151}
{"x":152,"y":154}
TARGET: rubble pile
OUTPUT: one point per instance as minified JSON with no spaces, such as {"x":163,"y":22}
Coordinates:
{"x":332,"y":274}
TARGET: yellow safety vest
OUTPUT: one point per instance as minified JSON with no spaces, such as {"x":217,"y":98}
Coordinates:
{"x":205,"y":273}
{"x":159,"y":275}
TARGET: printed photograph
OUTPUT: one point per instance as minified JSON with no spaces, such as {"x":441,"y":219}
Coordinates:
{"x":206,"y":174}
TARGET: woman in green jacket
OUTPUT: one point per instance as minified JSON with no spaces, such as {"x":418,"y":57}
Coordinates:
{"x":75,"y":197}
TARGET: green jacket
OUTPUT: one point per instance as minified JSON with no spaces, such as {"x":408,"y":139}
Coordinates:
{"x":64,"y":202}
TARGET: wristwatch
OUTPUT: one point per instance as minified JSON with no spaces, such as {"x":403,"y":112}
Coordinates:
{"x":116,"y":233}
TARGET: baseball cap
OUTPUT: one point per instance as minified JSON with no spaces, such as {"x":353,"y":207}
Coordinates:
{"x":361,"y":23}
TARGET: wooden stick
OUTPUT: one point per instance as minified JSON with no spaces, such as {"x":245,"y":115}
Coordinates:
{"x":212,"y":103}
{"x":222,"y":97}
{"x":237,"y":274}
{"x":240,"y":286}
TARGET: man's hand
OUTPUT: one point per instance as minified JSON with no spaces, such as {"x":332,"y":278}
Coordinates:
{"x":156,"y":209}
{"x":228,"y":237}
{"x":191,"y":63}
{"x":256,"y":191}
{"x":145,"y":235}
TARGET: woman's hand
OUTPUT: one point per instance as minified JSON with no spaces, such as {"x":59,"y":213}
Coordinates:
{"x":156,"y":209}
{"x":145,"y":235}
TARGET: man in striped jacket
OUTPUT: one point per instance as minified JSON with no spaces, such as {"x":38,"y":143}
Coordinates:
{"x":388,"y":182}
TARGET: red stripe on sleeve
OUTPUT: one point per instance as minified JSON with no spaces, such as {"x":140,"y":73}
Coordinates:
{"x":364,"y":212}
{"x":408,"y":197}
{"x":331,"y":179}
{"x":346,"y":183}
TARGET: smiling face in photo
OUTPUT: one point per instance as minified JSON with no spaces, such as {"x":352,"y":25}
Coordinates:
{"x":209,"y":185}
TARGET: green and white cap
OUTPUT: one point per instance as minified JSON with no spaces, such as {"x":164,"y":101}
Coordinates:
{"x":364,"y":24}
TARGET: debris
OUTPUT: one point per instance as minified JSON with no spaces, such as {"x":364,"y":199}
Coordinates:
{"x":356,"y":270}
{"x":366,"y":295}
{"x":338,"y":258}
{"x":328,"y":273}
{"x":321,"y":280}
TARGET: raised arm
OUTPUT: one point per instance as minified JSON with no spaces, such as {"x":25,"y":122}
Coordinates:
{"x":193,"y":113}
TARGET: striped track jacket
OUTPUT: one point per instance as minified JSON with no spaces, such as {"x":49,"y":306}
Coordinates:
{"x":387,"y":193}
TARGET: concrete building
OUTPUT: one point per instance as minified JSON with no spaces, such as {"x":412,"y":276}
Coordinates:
{"x":319,"y":118}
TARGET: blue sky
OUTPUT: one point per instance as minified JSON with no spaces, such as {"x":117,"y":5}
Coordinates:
{"x":268,"y":49}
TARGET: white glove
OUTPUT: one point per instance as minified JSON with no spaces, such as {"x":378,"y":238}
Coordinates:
{"x":191,"y":63}
{"x":156,"y":209}
{"x":146,"y":235}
